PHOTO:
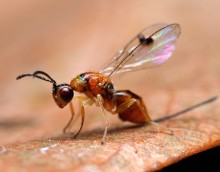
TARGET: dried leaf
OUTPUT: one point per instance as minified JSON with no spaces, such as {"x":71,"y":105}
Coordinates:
{"x":128,"y":148}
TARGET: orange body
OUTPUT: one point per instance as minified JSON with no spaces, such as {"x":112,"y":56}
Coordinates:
{"x":92,"y":84}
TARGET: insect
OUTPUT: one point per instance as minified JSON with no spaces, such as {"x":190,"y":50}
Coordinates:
{"x":151,"y":47}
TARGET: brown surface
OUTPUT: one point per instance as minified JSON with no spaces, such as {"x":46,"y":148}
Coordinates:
{"x":65,"y":39}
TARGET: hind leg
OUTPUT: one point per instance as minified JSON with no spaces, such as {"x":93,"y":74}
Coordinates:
{"x":126,"y":105}
{"x":132,"y":108}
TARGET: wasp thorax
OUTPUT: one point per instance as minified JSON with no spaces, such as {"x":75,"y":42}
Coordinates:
{"x":62,"y":94}
{"x":80,"y":83}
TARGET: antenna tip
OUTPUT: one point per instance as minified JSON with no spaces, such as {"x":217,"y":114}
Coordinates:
{"x":22,"y":76}
{"x":19,"y":77}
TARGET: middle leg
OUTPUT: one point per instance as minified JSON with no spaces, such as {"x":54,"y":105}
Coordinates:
{"x":131,"y":107}
{"x":100,"y":102}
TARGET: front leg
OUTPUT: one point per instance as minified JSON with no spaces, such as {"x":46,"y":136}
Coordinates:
{"x":71,"y":119}
{"x":83,"y":101}
{"x":82,"y":114}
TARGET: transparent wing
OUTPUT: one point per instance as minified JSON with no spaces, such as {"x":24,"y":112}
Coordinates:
{"x":151,"y":47}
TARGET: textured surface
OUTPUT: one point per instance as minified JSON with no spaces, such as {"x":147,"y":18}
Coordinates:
{"x":130,"y":149}
{"x":74,"y":37}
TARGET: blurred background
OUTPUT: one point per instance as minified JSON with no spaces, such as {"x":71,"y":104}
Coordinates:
{"x":66,"y":38}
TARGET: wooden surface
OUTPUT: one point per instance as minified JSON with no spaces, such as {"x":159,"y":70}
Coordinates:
{"x":68,"y":38}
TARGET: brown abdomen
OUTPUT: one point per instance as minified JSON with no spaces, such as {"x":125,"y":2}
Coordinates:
{"x":136,"y":113}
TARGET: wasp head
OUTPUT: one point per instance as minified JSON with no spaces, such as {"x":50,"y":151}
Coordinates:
{"x":62,"y":93}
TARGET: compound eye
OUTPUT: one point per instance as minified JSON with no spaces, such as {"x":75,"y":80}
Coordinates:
{"x":66,"y":93}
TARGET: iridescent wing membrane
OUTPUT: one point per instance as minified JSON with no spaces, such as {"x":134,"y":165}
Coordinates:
{"x":151,"y":47}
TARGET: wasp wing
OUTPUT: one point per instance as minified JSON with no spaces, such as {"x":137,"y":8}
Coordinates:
{"x":151,"y":47}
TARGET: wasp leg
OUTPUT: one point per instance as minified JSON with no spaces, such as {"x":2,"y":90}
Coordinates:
{"x":124,"y":106}
{"x":71,"y":119}
{"x":82,"y":114}
{"x":100,"y":102}
{"x":163,"y":128}
{"x":83,"y":101}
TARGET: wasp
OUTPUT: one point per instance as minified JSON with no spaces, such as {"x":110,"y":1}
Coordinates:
{"x":153,"y":46}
